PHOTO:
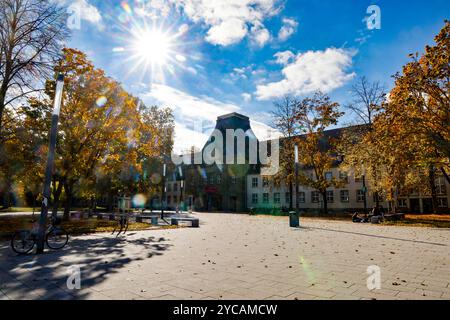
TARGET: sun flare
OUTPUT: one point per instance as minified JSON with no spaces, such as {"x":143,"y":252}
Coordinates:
{"x":153,"y":47}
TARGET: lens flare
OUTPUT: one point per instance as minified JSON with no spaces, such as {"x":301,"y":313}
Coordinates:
{"x":101,"y":101}
{"x":139,"y":201}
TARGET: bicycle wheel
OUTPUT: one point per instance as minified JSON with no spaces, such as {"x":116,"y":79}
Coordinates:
{"x":57,"y":238}
{"x":22,"y":242}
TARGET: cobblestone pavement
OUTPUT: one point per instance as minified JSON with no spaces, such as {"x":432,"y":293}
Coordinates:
{"x":239,"y":257}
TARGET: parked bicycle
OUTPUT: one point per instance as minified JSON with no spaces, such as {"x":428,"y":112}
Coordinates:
{"x":56,"y":237}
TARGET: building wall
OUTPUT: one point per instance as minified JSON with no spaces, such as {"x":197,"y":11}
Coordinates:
{"x":353,"y":188}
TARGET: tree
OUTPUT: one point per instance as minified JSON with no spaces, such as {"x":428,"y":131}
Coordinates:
{"x":284,"y":120}
{"x":317,"y":152}
{"x":368,"y":98}
{"x":31,"y":34}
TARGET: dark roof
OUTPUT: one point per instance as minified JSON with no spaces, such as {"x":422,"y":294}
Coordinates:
{"x":233,"y":115}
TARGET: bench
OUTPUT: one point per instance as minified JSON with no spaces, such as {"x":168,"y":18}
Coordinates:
{"x":195,"y":222}
{"x":154,"y":218}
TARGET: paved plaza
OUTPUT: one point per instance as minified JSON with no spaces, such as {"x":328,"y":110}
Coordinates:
{"x":239,"y":257}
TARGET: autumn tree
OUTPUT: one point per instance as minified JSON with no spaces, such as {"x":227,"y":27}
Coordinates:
{"x":284,"y":121}
{"x":317,"y":151}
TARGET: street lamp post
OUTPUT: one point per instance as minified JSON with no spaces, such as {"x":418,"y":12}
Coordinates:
{"x":50,"y":163}
{"x":163,"y":197}
{"x":297,"y":203}
{"x":181,"y":195}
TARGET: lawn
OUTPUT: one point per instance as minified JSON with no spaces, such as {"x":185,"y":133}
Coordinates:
{"x":9,"y":225}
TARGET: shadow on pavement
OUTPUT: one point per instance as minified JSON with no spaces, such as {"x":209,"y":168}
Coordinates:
{"x":45,"y":276}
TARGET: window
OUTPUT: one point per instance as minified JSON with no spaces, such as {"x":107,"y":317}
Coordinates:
{"x":315,"y":197}
{"x":265,"y":182}
{"x":169,"y":187}
{"x":233,"y":180}
{"x":219,"y":179}
{"x":287,"y":197}
{"x":402,"y":203}
{"x":345,"y":196}
{"x":265,"y":198}
{"x":440,"y":186}
{"x":343,"y":176}
{"x":211,"y":180}
{"x":277,"y":198}
{"x":169,"y":200}
{"x":442,"y":202}
{"x":175,"y":187}
{"x":175,"y":199}
{"x":330,"y":196}
{"x":255,"y":198}
{"x":329,"y":176}
{"x":301,"y":197}
{"x":255,"y":182}
{"x":360,"y":195}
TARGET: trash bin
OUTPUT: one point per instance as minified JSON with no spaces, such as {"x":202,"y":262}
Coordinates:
{"x":294,"y":219}
{"x":154,"y":221}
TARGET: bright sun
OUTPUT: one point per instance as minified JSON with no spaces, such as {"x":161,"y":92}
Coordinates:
{"x":153,"y":47}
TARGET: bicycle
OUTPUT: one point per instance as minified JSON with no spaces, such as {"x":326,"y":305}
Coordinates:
{"x":56,"y":237}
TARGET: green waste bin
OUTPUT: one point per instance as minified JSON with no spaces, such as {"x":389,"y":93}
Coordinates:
{"x":294,"y":219}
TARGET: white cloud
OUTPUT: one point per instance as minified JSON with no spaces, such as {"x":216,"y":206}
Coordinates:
{"x":189,"y":109}
{"x":260,"y":35}
{"x":284,"y":57}
{"x":229,"y":22}
{"x":309,"y":72}
{"x":227,"y":32}
{"x":86,"y":10}
{"x":247,"y":97}
{"x":288,"y":29}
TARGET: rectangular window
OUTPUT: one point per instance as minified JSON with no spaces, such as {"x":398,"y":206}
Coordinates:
{"x":440,"y":186}
{"x":343,"y":176}
{"x":360,"y":195}
{"x":287,"y":197}
{"x":254,"y":182}
{"x":265,"y":182}
{"x":301,"y":197}
{"x":175,"y":187}
{"x":265,"y":198}
{"x":330,"y":196}
{"x":255,"y":198}
{"x":345,"y":196}
{"x":277,"y":198}
{"x":329,"y":176}
{"x":402,"y":203}
{"x":233,"y":180}
{"x":315,"y":197}
{"x":169,"y":199}
{"x":442,"y":202}
{"x":219,"y":179}
{"x":175,"y":199}
{"x":169,"y":187}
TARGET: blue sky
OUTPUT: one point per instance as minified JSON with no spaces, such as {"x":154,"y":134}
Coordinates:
{"x":241,"y":55}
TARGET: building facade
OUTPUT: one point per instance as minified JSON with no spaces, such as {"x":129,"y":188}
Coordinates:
{"x":241,"y":187}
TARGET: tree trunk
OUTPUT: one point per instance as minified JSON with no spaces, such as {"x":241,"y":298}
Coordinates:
{"x":325,"y":202}
{"x":68,"y":187}
{"x":377,"y":199}
{"x":432,"y":183}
